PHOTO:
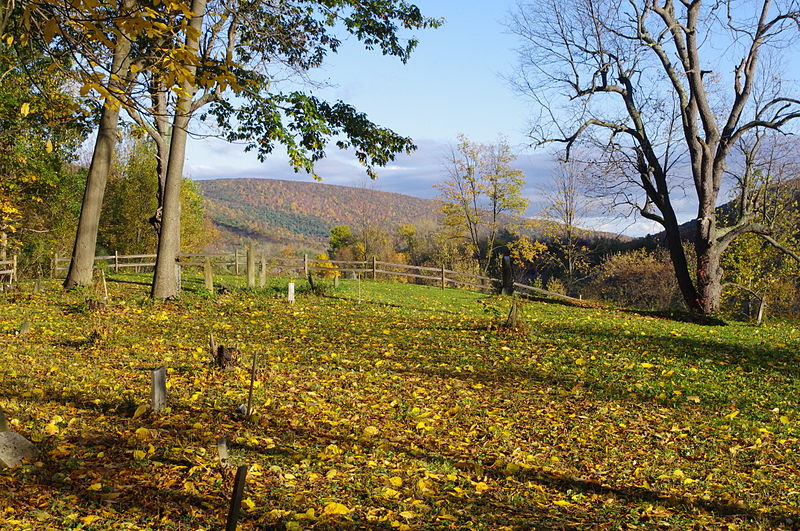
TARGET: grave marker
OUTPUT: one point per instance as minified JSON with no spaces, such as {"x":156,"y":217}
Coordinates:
{"x":222,"y":451}
{"x":291,"y":293}
{"x":158,"y":392}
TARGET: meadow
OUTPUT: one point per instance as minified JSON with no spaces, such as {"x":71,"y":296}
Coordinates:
{"x":411,"y":408}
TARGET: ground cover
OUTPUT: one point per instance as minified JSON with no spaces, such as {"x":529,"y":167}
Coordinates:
{"x":409,"y":409}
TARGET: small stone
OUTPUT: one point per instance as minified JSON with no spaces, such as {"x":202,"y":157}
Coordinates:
{"x":14,"y":448}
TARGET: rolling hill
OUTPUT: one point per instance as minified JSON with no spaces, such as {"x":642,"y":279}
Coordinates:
{"x":301,"y":214}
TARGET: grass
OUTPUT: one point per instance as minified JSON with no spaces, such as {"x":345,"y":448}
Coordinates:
{"x":410,"y":409}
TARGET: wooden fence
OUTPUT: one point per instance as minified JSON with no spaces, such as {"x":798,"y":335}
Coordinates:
{"x":239,"y":262}
{"x":8,"y":270}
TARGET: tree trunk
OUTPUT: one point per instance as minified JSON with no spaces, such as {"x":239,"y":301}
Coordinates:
{"x":164,"y":282}
{"x":82,"y":262}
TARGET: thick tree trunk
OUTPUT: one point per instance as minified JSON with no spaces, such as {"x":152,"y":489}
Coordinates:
{"x":80,"y":267}
{"x":164,"y":282}
{"x":82,"y":262}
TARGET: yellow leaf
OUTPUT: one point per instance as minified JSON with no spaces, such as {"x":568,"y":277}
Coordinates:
{"x":25,"y":109}
{"x":51,"y":429}
{"x":481,"y":487}
{"x":580,"y":361}
{"x":396,"y":481}
{"x":142,"y":433}
{"x":95,"y":486}
{"x":646,"y":365}
{"x":784,"y":419}
{"x":371,"y":431}
{"x":732,"y":414}
{"x":408,"y":515}
{"x":89,"y":520}
{"x":141,"y":410}
{"x":562,"y":503}
{"x":249,"y":504}
{"x":334,"y":508}
{"x":139,"y":454}
{"x":48,"y":147}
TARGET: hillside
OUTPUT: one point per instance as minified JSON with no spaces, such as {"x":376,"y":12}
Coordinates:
{"x":302,"y":213}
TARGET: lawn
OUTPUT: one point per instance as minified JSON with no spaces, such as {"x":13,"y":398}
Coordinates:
{"x":411,"y":408}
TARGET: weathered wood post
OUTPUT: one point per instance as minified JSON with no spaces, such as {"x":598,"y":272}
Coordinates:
{"x":14,"y":270}
{"x":158,"y":390}
{"x":236,"y":499}
{"x":290,"y":295}
{"x":374,"y":268}
{"x":508,"y":277}
{"x":251,"y":267}
{"x":208,"y":274}
{"x":252,"y":381}
{"x":236,"y":262}
{"x":305,"y":266}
{"x":116,"y":261}
{"x":444,"y":279}
{"x":262,"y":277}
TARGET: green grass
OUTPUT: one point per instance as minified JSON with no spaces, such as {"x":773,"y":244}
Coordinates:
{"x":412,"y":408}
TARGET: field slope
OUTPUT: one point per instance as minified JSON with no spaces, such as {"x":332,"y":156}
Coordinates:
{"x":409,"y":409}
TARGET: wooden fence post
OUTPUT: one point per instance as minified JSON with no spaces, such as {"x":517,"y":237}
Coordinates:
{"x":208,"y":274}
{"x":444,"y":280}
{"x":14,"y":268}
{"x":508,"y":277}
{"x":55,"y":265}
{"x":116,"y":262}
{"x":305,"y":266}
{"x":262,"y":277}
{"x":236,"y":262}
{"x":374,"y":268}
{"x":251,"y":267}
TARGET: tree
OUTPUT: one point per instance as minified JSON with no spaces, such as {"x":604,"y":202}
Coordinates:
{"x":568,"y":207}
{"x":481,"y":187}
{"x":643,"y":82}
{"x":207,"y":51}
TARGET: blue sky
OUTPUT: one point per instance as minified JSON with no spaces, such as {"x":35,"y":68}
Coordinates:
{"x":454,"y":83}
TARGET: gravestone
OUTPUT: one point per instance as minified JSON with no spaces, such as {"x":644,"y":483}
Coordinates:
{"x":336,"y":282}
{"x":25,"y":327}
{"x":37,"y":286}
{"x":158,"y":392}
{"x":13,"y":446}
{"x":291,"y":293}
{"x":222,"y":451}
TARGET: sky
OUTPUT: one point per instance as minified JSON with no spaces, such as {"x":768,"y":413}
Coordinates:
{"x":455,"y":82}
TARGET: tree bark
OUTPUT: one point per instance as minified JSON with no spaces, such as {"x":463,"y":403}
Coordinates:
{"x":164,"y":282}
{"x":83,"y":251}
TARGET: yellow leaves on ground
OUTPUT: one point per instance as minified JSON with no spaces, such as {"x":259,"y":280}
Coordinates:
{"x":335,"y":508}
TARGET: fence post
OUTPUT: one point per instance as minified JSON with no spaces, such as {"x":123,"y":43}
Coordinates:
{"x":443,"y":278}
{"x":208,"y":274}
{"x":262,"y":277}
{"x":14,"y":274}
{"x":374,"y":269}
{"x":55,"y":265}
{"x":508,"y":277}
{"x":116,"y":261}
{"x":236,"y":262}
{"x":305,"y":266}
{"x":251,"y":267}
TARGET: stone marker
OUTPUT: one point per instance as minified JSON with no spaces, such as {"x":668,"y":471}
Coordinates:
{"x":291,"y":292}
{"x":158,"y":393}
{"x":336,"y":282}
{"x":13,"y":446}
{"x":37,"y":286}
{"x":222,"y":451}
{"x":25,"y":327}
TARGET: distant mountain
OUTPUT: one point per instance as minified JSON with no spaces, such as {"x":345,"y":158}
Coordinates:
{"x":301,"y":214}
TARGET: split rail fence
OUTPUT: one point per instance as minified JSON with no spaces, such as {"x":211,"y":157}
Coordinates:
{"x":8,"y":270}
{"x":254,"y":264}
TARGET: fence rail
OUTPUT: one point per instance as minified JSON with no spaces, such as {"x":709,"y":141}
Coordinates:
{"x":8,"y":270}
{"x":362,"y":268}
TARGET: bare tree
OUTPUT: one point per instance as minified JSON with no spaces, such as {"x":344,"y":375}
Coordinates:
{"x":667,"y":88}
{"x":568,"y":207}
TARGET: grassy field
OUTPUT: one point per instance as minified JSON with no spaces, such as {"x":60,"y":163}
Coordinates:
{"x":409,"y":409}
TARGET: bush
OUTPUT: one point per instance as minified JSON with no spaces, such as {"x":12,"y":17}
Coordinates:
{"x":640,"y":279}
